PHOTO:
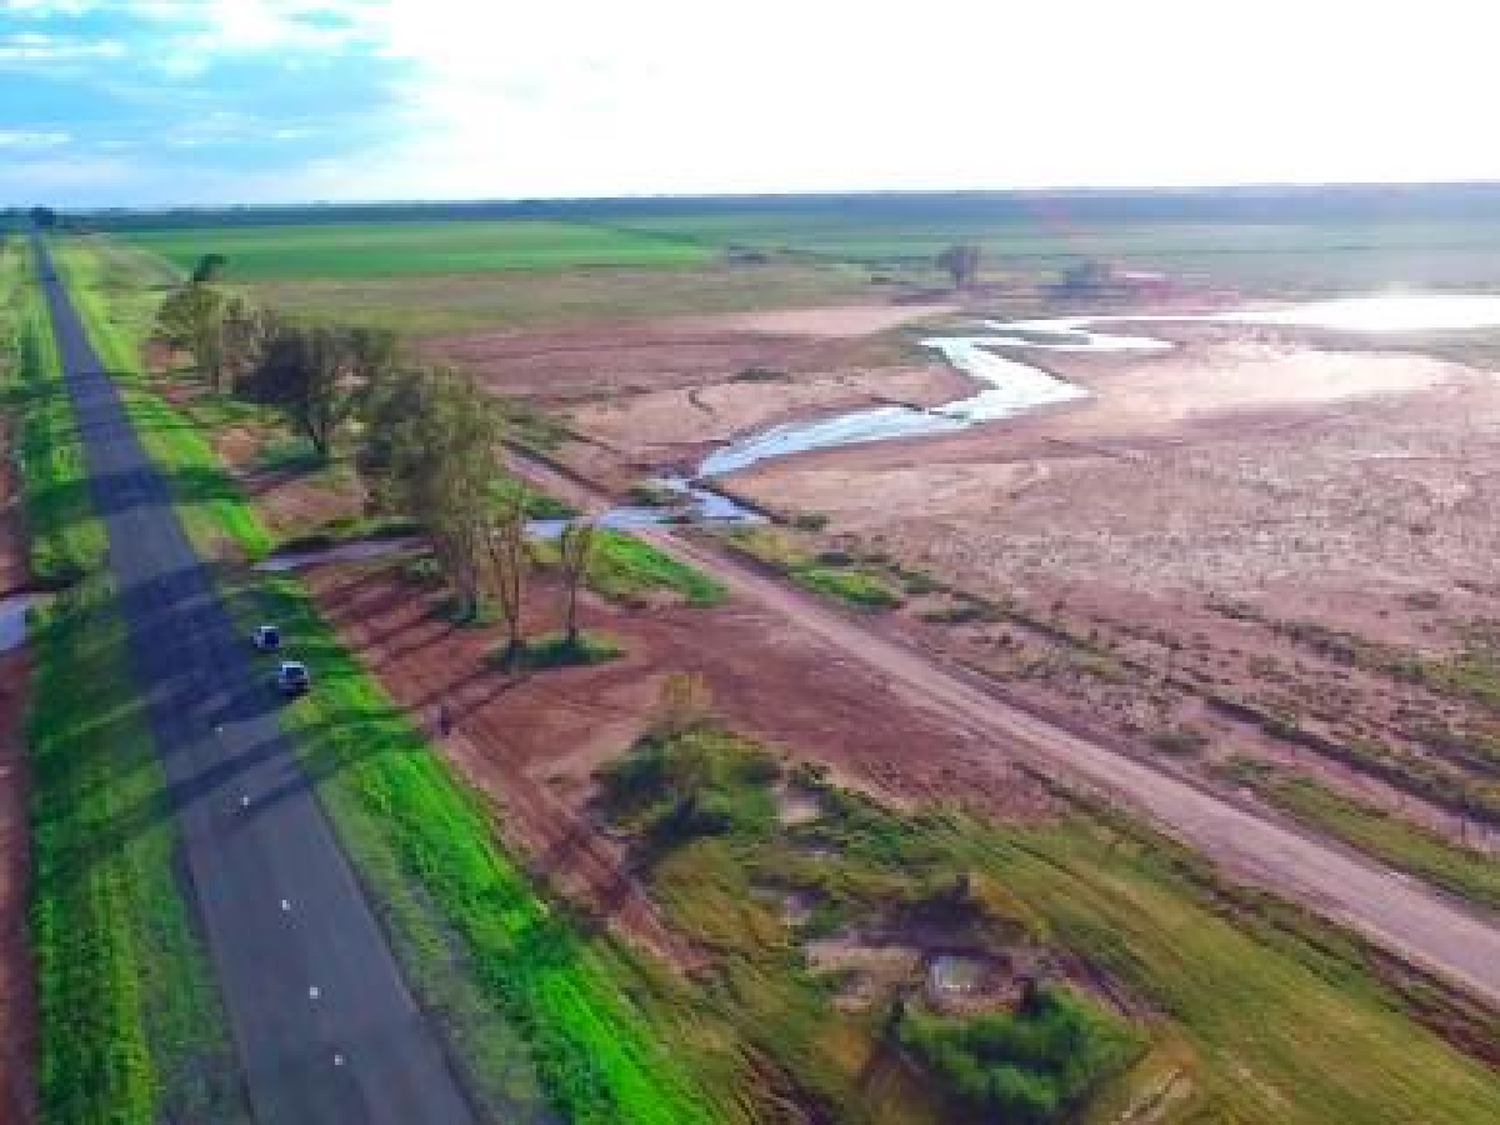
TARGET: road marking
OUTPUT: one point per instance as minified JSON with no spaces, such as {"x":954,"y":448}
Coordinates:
{"x":313,"y":992}
{"x":338,"y":1060}
{"x":286,"y":905}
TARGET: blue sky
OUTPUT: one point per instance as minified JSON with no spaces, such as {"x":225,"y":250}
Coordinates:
{"x":140,"y":102}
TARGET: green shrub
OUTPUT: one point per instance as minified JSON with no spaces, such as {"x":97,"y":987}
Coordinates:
{"x":1180,"y":740}
{"x":1029,"y":1067}
{"x":810,"y":521}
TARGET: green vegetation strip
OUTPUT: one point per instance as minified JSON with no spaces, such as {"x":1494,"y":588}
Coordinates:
{"x":132,"y":1027}
{"x":66,"y":537}
{"x":208,"y":502}
{"x":1375,"y":831}
{"x":359,"y":250}
{"x":835,"y":575}
{"x":407,"y":822}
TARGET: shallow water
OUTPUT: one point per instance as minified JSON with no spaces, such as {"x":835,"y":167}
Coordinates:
{"x":13,"y":612}
{"x":1015,"y":387}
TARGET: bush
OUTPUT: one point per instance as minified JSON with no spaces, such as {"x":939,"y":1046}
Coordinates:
{"x":1033,"y":1066}
{"x":810,"y":521}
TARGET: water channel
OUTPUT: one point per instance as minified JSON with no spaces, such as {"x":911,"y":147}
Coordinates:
{"x":1012,"y":387}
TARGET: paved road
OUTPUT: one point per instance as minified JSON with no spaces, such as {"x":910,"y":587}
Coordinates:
{"x":325,"y":1027}
{"x":1425,"y":927}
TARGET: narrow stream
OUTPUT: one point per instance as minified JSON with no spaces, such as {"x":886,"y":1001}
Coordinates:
{"x":1013,"y":387}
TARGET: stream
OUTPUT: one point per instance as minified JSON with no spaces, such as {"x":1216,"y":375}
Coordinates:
{"x":1012,"y":387}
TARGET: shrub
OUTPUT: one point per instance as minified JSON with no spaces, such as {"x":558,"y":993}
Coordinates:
{"x":810,"y":521}
{"x":1180,"y":740}
{"x":1033,"y":1066}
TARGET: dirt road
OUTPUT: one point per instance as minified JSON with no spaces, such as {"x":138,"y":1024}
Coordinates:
{"x":1395,"y":911}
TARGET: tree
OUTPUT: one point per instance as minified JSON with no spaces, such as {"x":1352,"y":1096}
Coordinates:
{"x":575,"y":549}
{"x":44,"y":217}
{"x":210,"y":268}
{"x":245,"y":333}
{"x":310,"y":374}
{"x":961,"y":261}
{"x":506,"y":564}
{"x":193,"y":319}
{"x":442,"y":452}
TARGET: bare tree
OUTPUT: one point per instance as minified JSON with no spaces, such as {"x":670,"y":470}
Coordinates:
{"x":576,"y":548}
{"x":961,"y":262}
{"x":506,"y":566}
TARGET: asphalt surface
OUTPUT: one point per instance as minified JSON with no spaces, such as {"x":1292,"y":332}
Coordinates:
{"x":325,"y":1027}
{"x":1401,"y":913}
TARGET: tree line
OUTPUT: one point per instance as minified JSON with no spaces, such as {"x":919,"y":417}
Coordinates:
{"x":426,"y":439}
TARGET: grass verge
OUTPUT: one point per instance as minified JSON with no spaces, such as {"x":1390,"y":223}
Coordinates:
{"x":211,"y":508}
{"x":132,"y":1026}
{"x":1463,"y":871}
{"x":65,"y":537}
{"x":425,"y":846}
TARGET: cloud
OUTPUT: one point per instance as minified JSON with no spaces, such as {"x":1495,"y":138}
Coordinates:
{"x":22,"y":138}
{"x":289,"y":99}
{"x":36,"y":47}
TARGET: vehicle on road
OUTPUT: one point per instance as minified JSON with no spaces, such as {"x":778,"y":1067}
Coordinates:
{"x":292,"y":678}
{"x":267,"y":638}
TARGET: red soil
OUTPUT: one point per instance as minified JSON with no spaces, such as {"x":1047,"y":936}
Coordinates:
{"x":532,"y":742}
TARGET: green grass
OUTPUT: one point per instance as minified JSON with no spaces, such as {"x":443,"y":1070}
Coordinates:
{"x":211,"y":508}
{"x":553,"y":650}
{"x":626,"y":569}
{"x":362,"y":250}
{"x":65,"y":537}
{"x":439,"y":304}
{"x":1464,"y":871}
{"x":833,"y":575}
{"x":132,"y":1027}
{"x":1265,"y":1012}
{"x":864,"y":591}
{"x":425,"y":846}
{"x":1331,"y":253}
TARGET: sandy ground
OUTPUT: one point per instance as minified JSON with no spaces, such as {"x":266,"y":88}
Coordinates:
{"x":533,"y":743}
{"x":1239,"y":467}
{"x":680,"y":352}
{"x":646,"y":427}
{"x":829,"y":320}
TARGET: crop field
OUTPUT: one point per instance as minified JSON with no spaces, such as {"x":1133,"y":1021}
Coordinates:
{"x":383,"y":249}
{"x":1269,"y":255}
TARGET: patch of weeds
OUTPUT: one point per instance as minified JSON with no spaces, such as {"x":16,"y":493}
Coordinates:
{"x":555,"y":650}
{"x":863,"y":590}
{"x":810,"y":521}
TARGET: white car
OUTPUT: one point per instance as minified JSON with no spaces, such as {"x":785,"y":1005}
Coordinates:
{"x":292,"y":678}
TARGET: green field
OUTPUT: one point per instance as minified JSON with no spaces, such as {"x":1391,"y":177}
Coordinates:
{"x":356,"y":250}
{"x":1331,"y":253}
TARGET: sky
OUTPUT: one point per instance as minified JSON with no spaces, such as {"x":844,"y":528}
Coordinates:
{"x":165,"y":102}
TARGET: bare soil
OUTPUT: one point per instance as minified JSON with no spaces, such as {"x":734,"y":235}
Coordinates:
{"x":533,"y":742}
{"x":18,"y":1013}
{"x":608,"y":361}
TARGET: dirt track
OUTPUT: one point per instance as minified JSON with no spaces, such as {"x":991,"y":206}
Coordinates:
{"x":1409,"y":919}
